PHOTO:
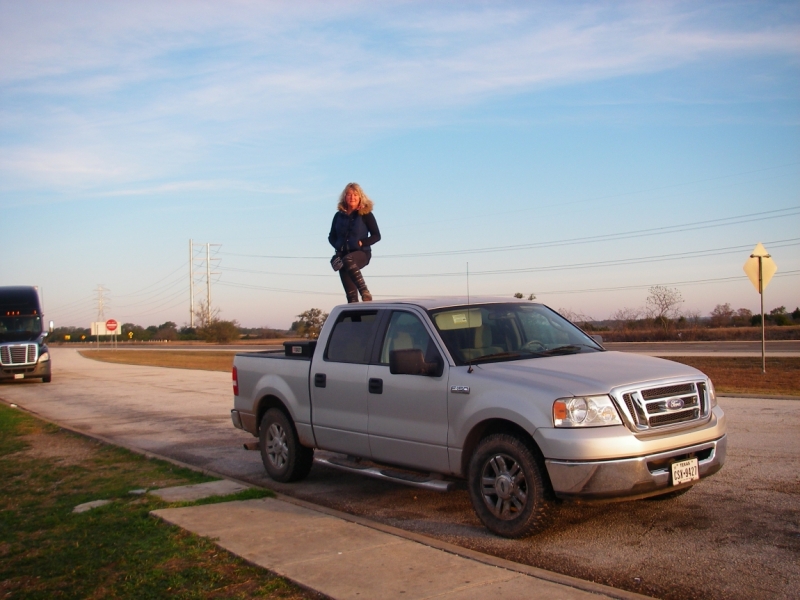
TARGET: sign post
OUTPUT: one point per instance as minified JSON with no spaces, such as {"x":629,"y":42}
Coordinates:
{"x":111,"y":325}
{"x":759,"y":269}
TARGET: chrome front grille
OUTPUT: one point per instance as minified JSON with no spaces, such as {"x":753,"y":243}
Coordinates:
{"x":18,"y":354}
{"x":664,"y":406}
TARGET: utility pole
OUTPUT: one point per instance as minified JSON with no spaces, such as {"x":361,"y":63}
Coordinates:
{"x":208,"y":283}
{"x":101,"y":316}
{"x":191,"y":284}
{"x":208,"y":273}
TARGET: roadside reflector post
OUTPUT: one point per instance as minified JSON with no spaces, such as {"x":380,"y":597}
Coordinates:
{"x":759,"y":269}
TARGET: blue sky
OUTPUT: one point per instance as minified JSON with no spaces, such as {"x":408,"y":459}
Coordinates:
{"x":579,"y":151}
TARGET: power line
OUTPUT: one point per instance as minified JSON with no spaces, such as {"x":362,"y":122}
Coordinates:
{"x":552,"y":292}
{"x":663,"y":230}
{"x":649,"y":285}
{"x":587,"y":265}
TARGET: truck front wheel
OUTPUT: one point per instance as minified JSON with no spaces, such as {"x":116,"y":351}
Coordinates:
{"x":506,"y":487}
{"x":284,"y":458}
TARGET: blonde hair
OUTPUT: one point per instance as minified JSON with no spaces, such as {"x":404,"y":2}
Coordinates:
{"x":364,"y":206}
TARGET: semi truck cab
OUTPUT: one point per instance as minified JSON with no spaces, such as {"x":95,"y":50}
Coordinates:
{"x":23,"y":352}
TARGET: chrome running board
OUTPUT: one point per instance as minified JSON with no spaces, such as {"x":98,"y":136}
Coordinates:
{"x":411,"y":478}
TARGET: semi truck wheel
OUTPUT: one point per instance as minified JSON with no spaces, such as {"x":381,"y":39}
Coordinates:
{"x":506,"y":487}
{"x":284,"y":458}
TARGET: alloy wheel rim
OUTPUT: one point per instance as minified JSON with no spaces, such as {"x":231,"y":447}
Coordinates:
{"x":503,"y":486}
{"x":277,"y":449}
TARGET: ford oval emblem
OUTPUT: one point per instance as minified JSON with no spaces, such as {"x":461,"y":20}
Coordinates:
{"x":675,"y":403}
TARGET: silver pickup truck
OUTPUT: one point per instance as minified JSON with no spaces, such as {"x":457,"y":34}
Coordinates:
{"x":507,"y":395}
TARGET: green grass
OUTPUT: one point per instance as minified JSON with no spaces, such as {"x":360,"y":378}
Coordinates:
{"x":115,"y":551}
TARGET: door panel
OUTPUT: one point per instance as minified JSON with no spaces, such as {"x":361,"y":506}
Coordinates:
{"x":340,"y":408}
{"x":339,"y":385}
{"x":408,"y":419}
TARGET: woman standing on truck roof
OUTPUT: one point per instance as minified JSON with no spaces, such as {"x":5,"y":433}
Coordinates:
{"x":353,"y":231}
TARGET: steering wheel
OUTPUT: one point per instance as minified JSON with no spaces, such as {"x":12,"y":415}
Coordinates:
{"x":534,"y":346}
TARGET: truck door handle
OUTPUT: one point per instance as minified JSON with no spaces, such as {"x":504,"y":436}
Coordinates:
{"x":375,"y":385}
{"x":320,"y":380}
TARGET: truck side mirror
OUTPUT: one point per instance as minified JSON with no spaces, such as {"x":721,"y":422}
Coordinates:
{"x":412,"y":362}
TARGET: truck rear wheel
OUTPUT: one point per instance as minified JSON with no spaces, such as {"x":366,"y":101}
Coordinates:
{"x":507,"y":488}
{"x":285,"y":458}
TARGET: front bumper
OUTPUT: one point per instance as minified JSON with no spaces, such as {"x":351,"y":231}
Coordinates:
{"x":37,"y":370}
{"x":630,"y":478}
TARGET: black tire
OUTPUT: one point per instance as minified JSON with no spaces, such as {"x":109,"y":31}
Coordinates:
{"x":47,"y":378}
{"x":284,"y":458}
{"x":507,"y":487}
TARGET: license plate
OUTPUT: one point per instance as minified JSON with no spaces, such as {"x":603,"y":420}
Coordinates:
{"x":19,"y":375}
{"x":686,"y":470}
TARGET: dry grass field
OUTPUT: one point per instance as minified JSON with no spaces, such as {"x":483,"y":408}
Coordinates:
{"x":742,"y":375}
{"x":732,"y":375}
{"x":212,"y":360}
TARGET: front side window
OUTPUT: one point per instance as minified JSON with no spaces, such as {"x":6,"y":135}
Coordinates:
{"x":406,"y":332}
{"x":496,"y":332}
{"x":351,"y":338}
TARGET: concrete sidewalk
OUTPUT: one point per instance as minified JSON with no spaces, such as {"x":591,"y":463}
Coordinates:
{"x":345,"y":559}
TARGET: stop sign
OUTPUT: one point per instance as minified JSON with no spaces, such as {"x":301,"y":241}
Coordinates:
{"x":111,"y":325}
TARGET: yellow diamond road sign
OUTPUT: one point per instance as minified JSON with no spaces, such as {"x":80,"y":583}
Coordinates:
{"x":768,"y":267}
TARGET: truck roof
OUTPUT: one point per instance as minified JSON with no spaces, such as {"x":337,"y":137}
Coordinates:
{"x":436,"y":302}
{"x":19,"y":299}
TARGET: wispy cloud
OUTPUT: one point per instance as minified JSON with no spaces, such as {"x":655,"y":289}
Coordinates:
{"x":117,"y":91}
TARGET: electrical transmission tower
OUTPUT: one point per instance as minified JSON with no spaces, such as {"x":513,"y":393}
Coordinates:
{"x":101,"y":302}
{"x":198,"y":275}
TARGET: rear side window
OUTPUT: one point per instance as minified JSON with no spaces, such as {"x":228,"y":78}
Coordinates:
{"x":351,"y":338}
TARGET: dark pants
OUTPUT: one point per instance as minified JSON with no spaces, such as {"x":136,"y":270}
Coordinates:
{"x":354,"y":261}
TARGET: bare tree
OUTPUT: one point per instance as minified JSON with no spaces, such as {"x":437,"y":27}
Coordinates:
{"x":742,"y":317}
{"x":722,"y":315}
{"x":627,"y":316}
{"x":574,"y":317}
{"x":693,"y":318}
{"x":212,"y":329}
{"x":663,"y":305}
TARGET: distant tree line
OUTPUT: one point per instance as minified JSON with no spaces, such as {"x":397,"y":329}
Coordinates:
{"x":214,"y":331}
{"x":659,"y":318}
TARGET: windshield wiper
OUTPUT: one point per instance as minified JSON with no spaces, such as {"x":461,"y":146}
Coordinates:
{"x":497,"y":356}
{"x":567,"y":349}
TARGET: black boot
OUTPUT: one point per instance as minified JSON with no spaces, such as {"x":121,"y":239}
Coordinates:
{"x":358,"y":278}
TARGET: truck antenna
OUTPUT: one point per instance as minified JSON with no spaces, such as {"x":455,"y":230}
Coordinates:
{"x":469,"y":318}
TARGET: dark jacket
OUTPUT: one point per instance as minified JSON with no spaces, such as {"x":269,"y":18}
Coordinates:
{"x":348,"y":230}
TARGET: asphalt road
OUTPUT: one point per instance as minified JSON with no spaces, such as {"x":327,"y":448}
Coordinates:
{"x":734,"y":536}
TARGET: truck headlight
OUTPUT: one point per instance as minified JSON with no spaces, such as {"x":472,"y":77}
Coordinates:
{"x":44,"y":357}
{"x":585,"y":411}
{"x":712,"y":394}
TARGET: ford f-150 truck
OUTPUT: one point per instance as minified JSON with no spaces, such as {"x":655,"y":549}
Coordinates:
{"x":507,"y":395}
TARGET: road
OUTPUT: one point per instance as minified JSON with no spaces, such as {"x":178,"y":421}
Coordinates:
{"x":734,"y":536}
{"x":749,"y":348}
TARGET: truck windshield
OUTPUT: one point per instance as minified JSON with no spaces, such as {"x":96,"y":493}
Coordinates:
{"x":19,"y":328}
{"x":501,"y":332}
